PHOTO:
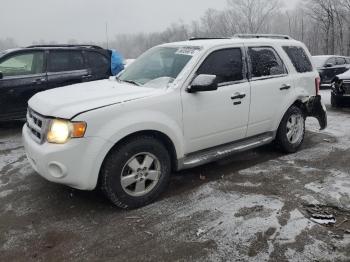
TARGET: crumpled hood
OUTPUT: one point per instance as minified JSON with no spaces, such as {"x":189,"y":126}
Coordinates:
{"x":68,"y":101}
{"x":344,"y":76}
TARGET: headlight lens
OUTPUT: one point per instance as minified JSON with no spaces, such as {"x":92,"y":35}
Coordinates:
{"x":61,"y":131}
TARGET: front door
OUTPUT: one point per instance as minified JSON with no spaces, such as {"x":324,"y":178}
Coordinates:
{"x":218,"y":117}
{"x":23,"y":76}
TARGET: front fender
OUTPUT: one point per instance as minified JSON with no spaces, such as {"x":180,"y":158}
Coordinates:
{"x":113,"y":126}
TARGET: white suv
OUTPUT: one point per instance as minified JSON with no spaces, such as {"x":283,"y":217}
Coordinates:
{"x":177,"y":106}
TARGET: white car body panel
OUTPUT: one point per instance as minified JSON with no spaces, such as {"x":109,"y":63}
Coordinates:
{"x":192,"y":122}
{"x":67,"y":101}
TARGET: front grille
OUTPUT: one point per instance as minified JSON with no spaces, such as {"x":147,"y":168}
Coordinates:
{"x":346,"y":87}
{"x":37,"y":126}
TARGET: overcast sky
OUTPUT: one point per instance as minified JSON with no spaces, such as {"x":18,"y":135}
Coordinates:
{"x":60,"y":20}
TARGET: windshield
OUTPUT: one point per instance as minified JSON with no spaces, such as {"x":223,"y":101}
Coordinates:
{"x":159,"y":66}
{"x":319,"y":61}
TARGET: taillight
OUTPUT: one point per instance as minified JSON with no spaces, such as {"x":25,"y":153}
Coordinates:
{"x":317,"y":85}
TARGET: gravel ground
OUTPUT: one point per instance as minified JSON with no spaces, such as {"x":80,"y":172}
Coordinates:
{"x":257,"y":206}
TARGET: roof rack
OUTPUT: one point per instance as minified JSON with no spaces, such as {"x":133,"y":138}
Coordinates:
{"x":66,"y":45}
{"x":273,"y":36}
{"x":207,"y":38}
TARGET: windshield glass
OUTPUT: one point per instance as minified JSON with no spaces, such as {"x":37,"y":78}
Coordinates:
{"x":159,"y":66}
{"x":319,"y":61}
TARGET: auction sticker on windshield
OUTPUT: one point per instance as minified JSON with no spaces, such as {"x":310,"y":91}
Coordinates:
{"x":188,"y":50}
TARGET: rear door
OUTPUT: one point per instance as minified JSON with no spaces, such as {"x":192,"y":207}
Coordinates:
{"x":23,"y":76}
{"x":66,"y":67}
{"x":271,"y":88}
{"x":99,"y":65}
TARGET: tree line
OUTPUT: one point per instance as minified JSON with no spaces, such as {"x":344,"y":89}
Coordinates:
{"x":323,"y":25}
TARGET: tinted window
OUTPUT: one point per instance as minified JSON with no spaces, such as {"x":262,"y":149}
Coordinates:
{"x":23,"y":64}
{"x":265,"y":62}
{"x":347,"y":60}
{"x":60,"y":61}
{"x":226,"y":64}
{"x":98,"y":62}
{"x":299,"y":59}
{"x":340,"y":61}
{"x":331,"y":61}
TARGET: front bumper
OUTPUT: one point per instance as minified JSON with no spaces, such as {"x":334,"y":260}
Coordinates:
{"x":315,"y":108}
{"x":75,"y":164}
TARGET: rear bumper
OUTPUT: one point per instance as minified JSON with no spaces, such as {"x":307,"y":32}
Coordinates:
{"x":315,"y":108}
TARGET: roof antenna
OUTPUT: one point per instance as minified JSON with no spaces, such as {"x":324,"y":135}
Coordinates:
{"x":107,"y":35}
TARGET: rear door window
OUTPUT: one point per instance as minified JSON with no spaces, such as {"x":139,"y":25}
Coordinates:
{"x":98,"y":62}
{"x":340,"y":61}
{"x":29,"y":63}
{"x":299,"y":58}
{"x":265,"y":62}
{"x":60,"y":61}
{"x":226,"y":64}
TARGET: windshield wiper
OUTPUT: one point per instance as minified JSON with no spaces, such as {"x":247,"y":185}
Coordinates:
{"x":131,"y":82}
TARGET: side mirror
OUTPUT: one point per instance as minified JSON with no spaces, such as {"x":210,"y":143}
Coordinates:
{"x":1,"y":75}
{"x":203,"y":83}
{"x":329,"y":65}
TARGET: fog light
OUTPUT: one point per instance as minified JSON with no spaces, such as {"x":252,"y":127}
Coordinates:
{"x":57,"y":170}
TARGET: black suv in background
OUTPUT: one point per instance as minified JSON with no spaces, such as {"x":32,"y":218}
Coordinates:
{"x":330,"y":66}
{"x":27,"y":71}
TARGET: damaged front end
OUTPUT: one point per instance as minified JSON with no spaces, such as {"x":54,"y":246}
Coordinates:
{"x":315,"y":108}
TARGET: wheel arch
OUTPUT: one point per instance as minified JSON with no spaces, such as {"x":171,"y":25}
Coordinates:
{"x":299,"y":102}
{"x":160,"y":136}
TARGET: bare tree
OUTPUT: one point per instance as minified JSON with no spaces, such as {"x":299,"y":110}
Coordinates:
{"x":253,"y":15}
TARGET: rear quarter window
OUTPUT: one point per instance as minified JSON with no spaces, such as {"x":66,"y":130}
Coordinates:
{"x":299,"y":58}
{"x":98,"y":62}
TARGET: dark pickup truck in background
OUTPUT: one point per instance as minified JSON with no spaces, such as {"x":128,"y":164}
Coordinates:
{"x":27,"y":71}
{"x":329,"y":66}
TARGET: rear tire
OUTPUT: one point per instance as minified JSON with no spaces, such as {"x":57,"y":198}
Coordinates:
{"x":291,"y":132}
{"x":136,"y":172}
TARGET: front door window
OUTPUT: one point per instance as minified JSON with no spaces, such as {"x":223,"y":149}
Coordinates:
{"x":23,"y":64}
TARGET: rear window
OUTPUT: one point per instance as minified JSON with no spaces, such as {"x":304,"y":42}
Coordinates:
{"x":60,"y":61}
{"x":299,"y":58}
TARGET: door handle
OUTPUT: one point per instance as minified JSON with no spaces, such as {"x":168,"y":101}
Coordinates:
{"x":285,"y":87}
{"x":86,"y":77}
{"x":39,"y":81}
{"x":238,"y":96}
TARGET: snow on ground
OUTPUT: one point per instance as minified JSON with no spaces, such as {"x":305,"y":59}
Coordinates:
{"x":248,"y":208}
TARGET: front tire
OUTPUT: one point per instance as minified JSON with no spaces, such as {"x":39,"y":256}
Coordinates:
{"x":291,"y":132}
{"x":136,"y":172}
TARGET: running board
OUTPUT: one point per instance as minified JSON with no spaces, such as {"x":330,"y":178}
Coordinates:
{"x":220,"y":152}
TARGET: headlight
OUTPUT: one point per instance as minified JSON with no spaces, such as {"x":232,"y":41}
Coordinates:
{"x":60,"y":131}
